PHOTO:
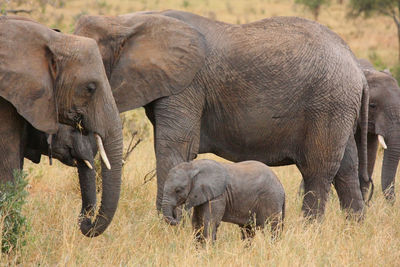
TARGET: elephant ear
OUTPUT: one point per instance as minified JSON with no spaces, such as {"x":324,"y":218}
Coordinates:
{"x":209,"y":182}
{"x":159,"y":56}
{"x":27,"y":72}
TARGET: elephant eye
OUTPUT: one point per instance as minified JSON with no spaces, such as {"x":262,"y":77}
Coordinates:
{"x":91,"y":87}
{"x":372,"y":105}
{"x":178,"y":189}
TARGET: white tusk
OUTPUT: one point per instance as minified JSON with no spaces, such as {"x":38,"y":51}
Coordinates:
{"x":382,"y":141}
{"x":88,"y":164}
{"x":102,"y":151}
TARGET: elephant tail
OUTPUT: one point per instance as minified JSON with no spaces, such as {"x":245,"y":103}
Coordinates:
{"x":363,"y":171}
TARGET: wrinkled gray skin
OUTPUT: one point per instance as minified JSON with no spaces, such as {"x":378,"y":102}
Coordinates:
{"x":228,"y":192}
{"x":70,"y":147}
{"x":48,"y":78}
{"x":282,"y":91}
{"x":384,"y":120}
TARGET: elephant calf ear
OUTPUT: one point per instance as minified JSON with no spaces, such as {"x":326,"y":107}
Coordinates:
{"x":210,"y":182}
{"x":160,"y":57}
{"x":25,"y":78}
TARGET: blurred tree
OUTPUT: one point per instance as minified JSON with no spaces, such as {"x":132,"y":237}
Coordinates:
{"x":313,"y":5}
{"x":390,"y":8}
{"x":12,"y":6}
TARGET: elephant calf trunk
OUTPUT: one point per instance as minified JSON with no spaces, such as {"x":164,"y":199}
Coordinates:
{"x":167,"y":210}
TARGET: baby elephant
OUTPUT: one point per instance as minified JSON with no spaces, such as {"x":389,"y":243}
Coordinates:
{"x":246,"y":193}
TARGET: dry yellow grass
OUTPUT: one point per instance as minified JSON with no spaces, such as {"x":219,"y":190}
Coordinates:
{"x":138,"y":236}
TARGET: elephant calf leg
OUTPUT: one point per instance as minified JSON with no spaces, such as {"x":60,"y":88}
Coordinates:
{"x":276,"y":225}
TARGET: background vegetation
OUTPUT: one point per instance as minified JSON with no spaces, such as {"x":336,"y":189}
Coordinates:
{"x":138,"y":236}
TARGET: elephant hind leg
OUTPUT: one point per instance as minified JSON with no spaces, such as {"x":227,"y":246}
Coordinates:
{"x":322,"y":151}
{"x":346,"y":181}
{"x":276,"y":222}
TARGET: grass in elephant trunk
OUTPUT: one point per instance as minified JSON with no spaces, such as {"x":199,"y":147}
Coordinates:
{"x":138,"y":236}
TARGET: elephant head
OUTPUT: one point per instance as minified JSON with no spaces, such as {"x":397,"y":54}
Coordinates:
{"x":384,"y":121}
{"x":51,"y":78}
{"x":73,"y":149}
{"x":147,"y":56}
{"x":192,"y":184}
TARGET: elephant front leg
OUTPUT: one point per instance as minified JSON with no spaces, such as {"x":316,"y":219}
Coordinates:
{"x":198,"y":224}
{"x":169,"y":154}
{"x":346,"y":181}
{"x":176,"y":122}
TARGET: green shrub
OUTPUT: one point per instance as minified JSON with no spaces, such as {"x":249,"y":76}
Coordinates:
{"x":395,"y":70}
{"x":13,"y":224}
{"x":376,"y":60}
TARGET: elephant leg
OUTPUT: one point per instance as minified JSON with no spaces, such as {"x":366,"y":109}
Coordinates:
{"x":12,"y":140}
{"x":170,"y":154}
{"x":177,"y":134}
{"x":319,"y":161}
{"x":87,"y":182}
{"x":276,"y":225}
{"x":214,"y":212}
{"x":211,"y":220}
{"x":198,"y":224}
{"x":207,"y":218}
{"x":346,"y":181}
{"x":316,"y":190}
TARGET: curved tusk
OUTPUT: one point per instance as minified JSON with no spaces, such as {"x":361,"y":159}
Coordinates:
{"x":382,"y":141}
{"x":102,"y":151}
{"x":88,"y":164}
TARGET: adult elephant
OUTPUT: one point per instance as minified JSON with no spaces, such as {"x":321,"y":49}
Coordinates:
{"x":383,"y":124}
{"x":47,"y":78}
{"x":73,"y":149}
{"x":282,"y":91}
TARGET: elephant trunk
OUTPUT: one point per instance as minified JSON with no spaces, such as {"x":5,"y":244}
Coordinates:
{"x":87,"y":182}
{"x":168,"y":212}
{"x":390,"y":161}
{"x":111,"y":180}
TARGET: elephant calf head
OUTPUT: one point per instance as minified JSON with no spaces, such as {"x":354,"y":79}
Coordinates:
{"x":192,"y":184}
{"x":73,"y":149}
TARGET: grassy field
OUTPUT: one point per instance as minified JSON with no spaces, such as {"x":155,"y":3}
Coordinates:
{"x":138,"y":236}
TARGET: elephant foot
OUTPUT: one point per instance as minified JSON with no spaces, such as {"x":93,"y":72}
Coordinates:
{"x":390,"y":195}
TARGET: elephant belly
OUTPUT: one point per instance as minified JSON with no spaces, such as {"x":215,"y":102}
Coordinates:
{"x":271,"y":141}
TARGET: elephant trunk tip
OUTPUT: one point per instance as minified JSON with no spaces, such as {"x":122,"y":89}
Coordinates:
{"x":171,"y":221}
{"x":90,"y":230}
